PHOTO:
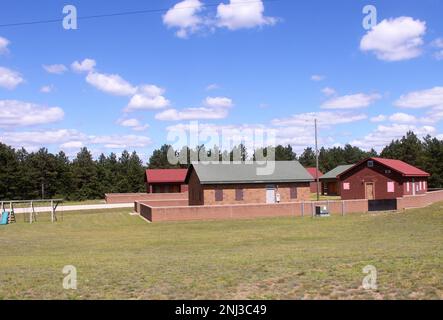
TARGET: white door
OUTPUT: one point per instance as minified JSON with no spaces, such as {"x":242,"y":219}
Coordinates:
{"x":270,"y":195}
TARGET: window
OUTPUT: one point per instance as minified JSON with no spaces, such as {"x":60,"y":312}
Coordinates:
{"x":391,"y":186}
{"x":370,"y":163}
{"x":293,"y":192}
{"x":218,"y":194}
{"x":239,"y":194}
{"x":346,"y":186}
{"x":387,"y":171}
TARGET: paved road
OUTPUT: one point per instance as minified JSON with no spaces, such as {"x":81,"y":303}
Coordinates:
{"x":74,"y":208}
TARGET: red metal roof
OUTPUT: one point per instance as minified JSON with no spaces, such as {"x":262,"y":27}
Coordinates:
{"x":312,"y":172}
{"x":402,"y":167}
{"x":166,"y":175}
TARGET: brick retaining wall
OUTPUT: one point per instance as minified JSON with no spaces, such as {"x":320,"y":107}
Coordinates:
{"x":245,"y":211}
{"x":131,"y":197}
{"x":177,"y":210}
{"x":419,"y":201}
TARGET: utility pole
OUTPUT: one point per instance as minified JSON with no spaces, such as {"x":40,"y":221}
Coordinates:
{"x":316,"y":162}
{"x":43,"y":190}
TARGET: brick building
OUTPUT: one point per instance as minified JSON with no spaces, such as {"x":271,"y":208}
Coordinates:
{"x":382,"y":179}
{"x":314,"y":173}
{"x":329,"y":181}
{"x":166,"y":180}
{"x":214,"y":184}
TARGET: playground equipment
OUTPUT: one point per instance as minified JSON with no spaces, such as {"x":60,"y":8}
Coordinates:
{"x":14,"y":207}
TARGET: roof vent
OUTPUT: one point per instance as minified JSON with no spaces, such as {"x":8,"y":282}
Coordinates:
{"x":370,"y":164}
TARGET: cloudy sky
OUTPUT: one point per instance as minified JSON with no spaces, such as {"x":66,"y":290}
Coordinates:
{"x":126,"y":81}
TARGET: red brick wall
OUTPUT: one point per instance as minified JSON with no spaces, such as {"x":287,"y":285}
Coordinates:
{"x":313,"y":187}
{"x":131,"y":197}
{"x":254,"y":193}
{"x":247,"y":211}
{"x":195,"y":190}
{"x":358,"y":176}
{"x":419,"y":201}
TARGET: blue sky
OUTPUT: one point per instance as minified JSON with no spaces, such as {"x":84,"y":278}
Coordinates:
{"x":229,"y":65}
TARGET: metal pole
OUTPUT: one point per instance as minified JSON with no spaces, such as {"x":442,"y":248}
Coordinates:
{"x":316,"y":162}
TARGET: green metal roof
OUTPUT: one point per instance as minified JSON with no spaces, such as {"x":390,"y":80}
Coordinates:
{"x":336,"y":171}
{"x":285,"y":171}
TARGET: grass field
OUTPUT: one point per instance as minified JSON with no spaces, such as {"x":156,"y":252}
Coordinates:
{"x":313,"y":196}
{"x":122,"y":256}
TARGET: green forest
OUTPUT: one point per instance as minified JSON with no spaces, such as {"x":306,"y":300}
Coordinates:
{"x":41,"y":174}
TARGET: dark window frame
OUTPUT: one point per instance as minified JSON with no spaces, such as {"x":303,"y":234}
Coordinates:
{"x":218,"y":194}
{"x":239,"y":194}
{"x":293,"y":192}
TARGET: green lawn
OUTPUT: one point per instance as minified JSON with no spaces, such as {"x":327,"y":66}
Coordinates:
{"x":122,"y":256}
{"x":313,"y":196}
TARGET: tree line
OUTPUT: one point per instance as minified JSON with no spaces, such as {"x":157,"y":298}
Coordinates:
{"x":33,"y":175}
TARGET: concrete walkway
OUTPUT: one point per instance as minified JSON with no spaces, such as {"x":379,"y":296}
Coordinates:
{"x":62,"y":207}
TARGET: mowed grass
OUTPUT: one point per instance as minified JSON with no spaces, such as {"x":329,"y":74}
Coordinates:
{"x":119,"y":256}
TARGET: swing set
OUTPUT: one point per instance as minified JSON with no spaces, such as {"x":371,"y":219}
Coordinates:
{"x":30,"y":211}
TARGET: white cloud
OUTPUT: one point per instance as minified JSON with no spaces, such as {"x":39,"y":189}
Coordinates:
{"x":383,"y":135}
{"x":4,"y":43}
{"x":328,"y":91}
{"x":72,"y":145}
{"x":55,"y":68}
{"x":187,"y":16}
{"x":239,"y":14}
{"x":218,"y":102}
{"x":192,"y":114}
{"x":379,"y":118}
{"x":10,"y":79}
{"x":317,"y":77}
{"x":133,"y":123}
{"x":110,"y":83}
{"x":71,"y":139}
{"x":87,"y":65}
{"x":47,"y":89}
{"x":35,"y":139}
{"x":119,"y":141}
{"x":353,"y":101}
{"x":324,"y":118}
{"x":395,"y":39}
{"x":184,"y":16}
{"x":400,"y":117}
{"x":147,"y":97}
{"x":421,"y":99}
{"x":215,"y":108}
{"x":212,"y":86}
{"x":15,"y":113}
